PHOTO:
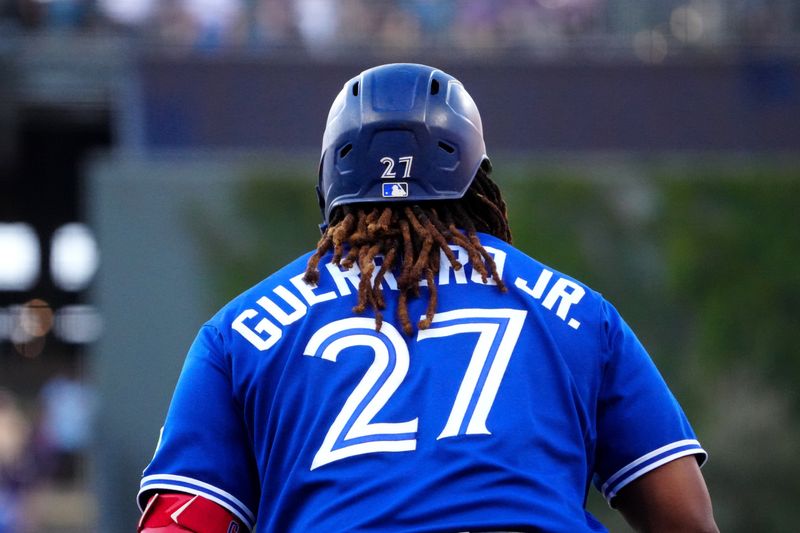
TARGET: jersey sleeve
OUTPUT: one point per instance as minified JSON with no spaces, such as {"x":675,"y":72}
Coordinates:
{"x":203,"y":448}
{"x":640,"y":425}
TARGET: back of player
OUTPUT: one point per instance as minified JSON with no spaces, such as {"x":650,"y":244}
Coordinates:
{"x":416,"y":372}
{"x":487,"y":419}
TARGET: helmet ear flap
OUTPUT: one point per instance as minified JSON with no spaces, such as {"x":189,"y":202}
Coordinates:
{"x":324,"y":225}
{"x":321,"y":200}
{"x":320,"y":197}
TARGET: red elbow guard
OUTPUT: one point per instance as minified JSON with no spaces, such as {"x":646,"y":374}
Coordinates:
{"x":186,"y":513}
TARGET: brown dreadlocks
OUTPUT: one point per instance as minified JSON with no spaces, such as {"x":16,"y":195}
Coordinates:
{"x":410,"y":238}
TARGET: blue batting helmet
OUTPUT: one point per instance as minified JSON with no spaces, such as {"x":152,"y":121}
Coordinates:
{"x":399,"y":132}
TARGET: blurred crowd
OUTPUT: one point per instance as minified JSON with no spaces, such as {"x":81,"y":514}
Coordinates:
{"x":42,"y":445}
{"x":482,"y":25}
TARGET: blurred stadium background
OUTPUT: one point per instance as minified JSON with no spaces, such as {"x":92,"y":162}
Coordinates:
{"x":158,"y":157}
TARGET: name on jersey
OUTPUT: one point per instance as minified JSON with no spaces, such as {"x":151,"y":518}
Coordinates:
{"x":264,"y":331}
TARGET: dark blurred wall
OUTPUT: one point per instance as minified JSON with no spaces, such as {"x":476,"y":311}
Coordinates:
{"x":746,"y":104}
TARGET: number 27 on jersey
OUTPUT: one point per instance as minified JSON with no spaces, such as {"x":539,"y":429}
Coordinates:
{"x":353,"y":432}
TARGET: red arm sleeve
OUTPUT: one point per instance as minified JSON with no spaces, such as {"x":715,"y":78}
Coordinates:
{"x":186,"y":513}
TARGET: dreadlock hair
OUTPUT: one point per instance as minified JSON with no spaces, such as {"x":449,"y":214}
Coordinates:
{"x":410,"y":237}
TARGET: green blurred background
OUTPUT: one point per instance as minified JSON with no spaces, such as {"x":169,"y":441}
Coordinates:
{"x":157,"y":158}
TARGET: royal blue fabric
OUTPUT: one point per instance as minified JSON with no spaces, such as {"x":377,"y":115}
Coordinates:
{"x":295,"y":414}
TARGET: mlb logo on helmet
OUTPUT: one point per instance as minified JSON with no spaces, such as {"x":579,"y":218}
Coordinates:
{"x":395,"y":190}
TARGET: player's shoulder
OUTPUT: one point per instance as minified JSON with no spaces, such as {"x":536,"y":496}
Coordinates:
{"x":519,"y":263}
{"x":560,"y":298}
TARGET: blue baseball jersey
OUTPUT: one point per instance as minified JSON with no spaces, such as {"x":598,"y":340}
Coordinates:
{"x":297,"y":415}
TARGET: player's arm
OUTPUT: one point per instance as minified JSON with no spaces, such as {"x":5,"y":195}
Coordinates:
{"x":176,"y":512}
{"x":671,"y":498}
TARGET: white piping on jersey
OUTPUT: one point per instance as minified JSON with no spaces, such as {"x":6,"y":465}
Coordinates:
{"x":638,"y":473}
{"x":633,"y":464}
{"x":184,"y":479}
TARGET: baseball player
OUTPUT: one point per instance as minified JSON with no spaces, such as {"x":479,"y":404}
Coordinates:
{"x":416,"y":372}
